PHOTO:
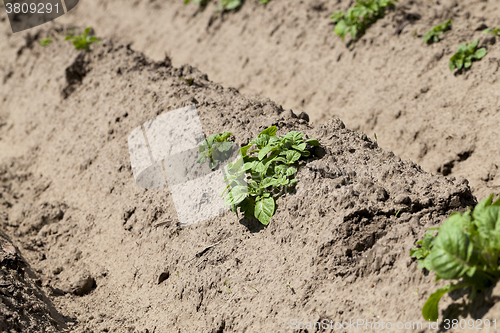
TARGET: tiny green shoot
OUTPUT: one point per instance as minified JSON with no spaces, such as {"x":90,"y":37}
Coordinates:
{"x":433,"y":36}
{"x":83,"y":41}
{"x":225,"y":284}
{"x":465,"y":55}
{"x":357,"y":19}
{"x":46,"y":41}
{"x":494,"y":32}
{"x":465,"y":250}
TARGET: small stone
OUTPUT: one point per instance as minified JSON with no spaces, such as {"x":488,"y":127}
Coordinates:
{"x":402,"y":199}
{"x":304,"y":116}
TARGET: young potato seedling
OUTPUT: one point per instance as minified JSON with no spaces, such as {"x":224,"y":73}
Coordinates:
{"x":465,"y":55}
{"x":466,"y":248}
{"x":224,"y":4}
{"x":83,"y":41}
{"x":494,"y":32}
{"x":433,"y":35}
{"x":269,"y":169}
{"x":358,"y":18}
{"x":46,"y":41}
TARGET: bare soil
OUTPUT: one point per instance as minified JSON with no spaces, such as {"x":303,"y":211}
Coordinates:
{"x":84,"y":249}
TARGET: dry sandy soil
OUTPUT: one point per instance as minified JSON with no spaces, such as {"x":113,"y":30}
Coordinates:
{"x":84,"y":249}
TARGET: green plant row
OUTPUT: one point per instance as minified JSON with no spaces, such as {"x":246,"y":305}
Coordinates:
{"x":358,"y":18}
{"x":265,"y":168}
{"x":465,"y":250}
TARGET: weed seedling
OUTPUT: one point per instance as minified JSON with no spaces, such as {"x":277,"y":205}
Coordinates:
{"x":433,"y":36}
{"x":46,"y":41}
{"x":466,"y":248}
{"x":269,"y":169}
{"x":494,"y":32}
{"x":465,"y":55}
{"x":83,"y":41}
{"x":358,"y":18}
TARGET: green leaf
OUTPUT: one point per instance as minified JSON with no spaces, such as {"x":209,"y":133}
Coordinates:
{"x":290,"y":171}
{"x":481,"y":206}
{"x":268,"y":182}
{"x":450,"y":252}
{"x":264,"y":151}
{"x":292,"y":156}
{"x":340,"y":29}
{"x":264,"y":210}
{"x":300,"y":147}
{"x":295,"y":136}
{"x":452,"y":65}
{"x":236,"y":195}
{"x":271,"y":131}
{"x":479,"y":54}
{"x":430,"y":310}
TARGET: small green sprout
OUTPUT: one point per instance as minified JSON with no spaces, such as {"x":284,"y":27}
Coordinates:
{"x":433,"y":36}
{"x":358,"y":18}
{"x":466,"y":249}
{"x":494,"y":32}
{"x":465,"y":55}
{"x":46,"y":41}
{"x":83,"y":41}
{"x":225,"y":284}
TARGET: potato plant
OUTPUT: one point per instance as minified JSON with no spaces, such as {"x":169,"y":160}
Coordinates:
{"x":433,"y":36}
{"x":465,"y":55}
{"x":465,"y":250}
{"x":83,"y":41}
{"x":265,"y":168}
{"x":494,"y":32}
{"x":358,"y":18}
